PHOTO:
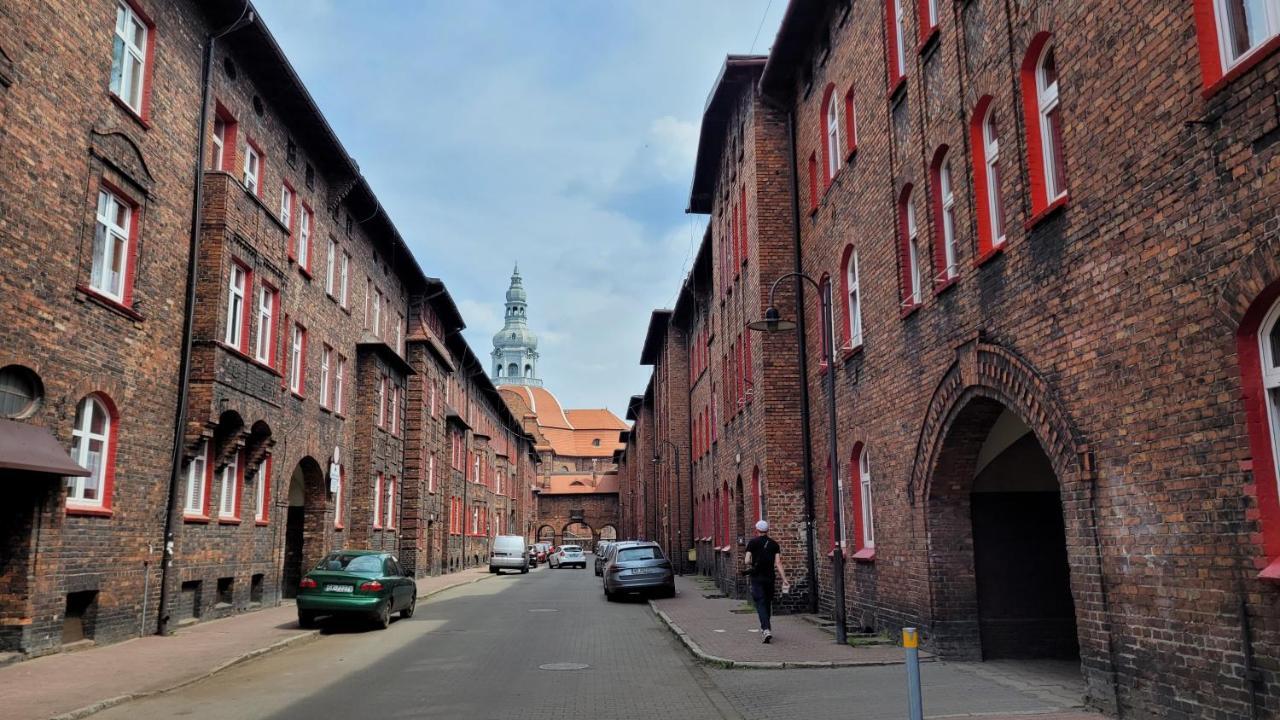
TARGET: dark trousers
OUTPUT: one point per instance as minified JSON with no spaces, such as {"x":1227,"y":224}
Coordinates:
{"x":762,"y":594}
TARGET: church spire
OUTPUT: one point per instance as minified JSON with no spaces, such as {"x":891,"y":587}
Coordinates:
{"x":515,"y":346}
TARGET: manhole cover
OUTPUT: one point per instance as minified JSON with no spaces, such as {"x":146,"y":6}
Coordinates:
{"x":564,"y":666}
{"x":543,"y":610}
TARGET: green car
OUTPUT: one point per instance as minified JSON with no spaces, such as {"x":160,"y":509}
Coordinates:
{"x":365,"y":582}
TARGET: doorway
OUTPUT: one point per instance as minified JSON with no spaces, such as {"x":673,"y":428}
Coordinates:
{"x":305,"y":525}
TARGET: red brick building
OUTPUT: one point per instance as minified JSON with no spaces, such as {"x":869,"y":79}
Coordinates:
{"x":187,"y":245}
{"x":1051,"y":244}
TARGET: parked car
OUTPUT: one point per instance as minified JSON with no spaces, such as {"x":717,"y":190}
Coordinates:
{"x":356,"y":582}
{"x":508,"y":553}
{"x":603,"y":559}
{"x":638,"y":567}
{"x":533,"y":555}
{"x":602,"y":551}
{"x":544,"y":551}
{"x":568,"y":556}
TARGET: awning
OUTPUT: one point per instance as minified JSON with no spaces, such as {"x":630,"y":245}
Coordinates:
{"x":34,"y":449}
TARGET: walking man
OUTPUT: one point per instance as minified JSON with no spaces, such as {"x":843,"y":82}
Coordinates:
{"x":763,"y":556}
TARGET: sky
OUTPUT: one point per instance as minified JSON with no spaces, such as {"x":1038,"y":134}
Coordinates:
{"x":559,"y":134}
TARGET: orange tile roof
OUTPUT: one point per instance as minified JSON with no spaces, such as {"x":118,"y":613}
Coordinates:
{"x":601,"y":419}
{"x":570,"y":433}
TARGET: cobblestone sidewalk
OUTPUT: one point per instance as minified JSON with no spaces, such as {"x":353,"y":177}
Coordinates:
{"x":75,"y":684}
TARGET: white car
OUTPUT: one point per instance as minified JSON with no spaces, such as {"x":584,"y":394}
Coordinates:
{"x":568,"y":556}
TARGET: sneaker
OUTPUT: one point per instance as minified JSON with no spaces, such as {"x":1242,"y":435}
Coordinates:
{"x":766,"y":637}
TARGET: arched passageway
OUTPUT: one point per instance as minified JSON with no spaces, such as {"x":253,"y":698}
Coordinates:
{"x":546,"y":533}
{"x":577,"y":533}
{"x":305,"y":525}
{"x":609,"y":532}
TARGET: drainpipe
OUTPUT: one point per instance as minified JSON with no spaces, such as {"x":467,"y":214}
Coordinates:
{"x":246,"y":18}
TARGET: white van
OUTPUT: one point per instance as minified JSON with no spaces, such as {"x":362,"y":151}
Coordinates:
{"x":509,"y":552}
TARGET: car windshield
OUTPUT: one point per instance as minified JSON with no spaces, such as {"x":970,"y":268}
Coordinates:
{"x":571,"y":549}
{"x":640,"y":553}
{"x":352,"y":563}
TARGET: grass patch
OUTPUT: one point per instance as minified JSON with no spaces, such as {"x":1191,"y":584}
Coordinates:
{"x":746,"y":607}
{"x":869,"y":640}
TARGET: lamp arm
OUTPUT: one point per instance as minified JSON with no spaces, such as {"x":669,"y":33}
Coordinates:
{"x":773,"y":288}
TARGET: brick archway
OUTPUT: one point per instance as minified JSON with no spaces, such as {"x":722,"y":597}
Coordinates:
{"x":595,"y":510}
{"x":984,"y":380}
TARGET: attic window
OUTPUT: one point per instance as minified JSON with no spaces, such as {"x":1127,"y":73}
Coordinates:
{"x":596,"y":442}
{"x":291,"y":153}
{"x":349,"y":224}
{"x":229,"y":68}
{"x":310,"y":176}
{"x":257,"y":106}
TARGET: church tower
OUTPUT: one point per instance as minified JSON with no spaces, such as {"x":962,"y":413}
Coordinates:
{"x":515,"y":347}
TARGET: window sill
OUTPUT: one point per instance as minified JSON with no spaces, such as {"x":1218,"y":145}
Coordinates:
{"x":261,"y":523}
{"x":851,"y":351}
{"x":1050,"y":210}
{"x":112,"y":305}
{"x":865,"y":555}
{"x":133,"y":114}
{"x":195,"y":519}
{"x":987,"y":256}
{"x":304,"y":272}
{"x":1242,"y":67}
{"x":229,"y":521}
{"x":88,"y":511}
{"x":945,"y":285}
{"x":928,"y":41}
{"x":910,"y":309}
{"x":895,"y":87}
{"x":813,"y":210}
{"x":297,"y":395}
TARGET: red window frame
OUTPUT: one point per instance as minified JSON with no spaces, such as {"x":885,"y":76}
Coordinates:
{"x":248,"y":308}
{"x":904,"y":248}
{"x":939,"y":224}
{"x":272,"y":352}
{"x":846,"y":327}
{"x":982,"y":199}
{"x":1040,"y":202}
{"x":266,"y":495}
{"x":850,"y":124}
{"x":896,"y":74}
{"x":262,"y":164}
{"x":144,"y":113}
{"x":1258,"y":425}
{"x":813,"y":183}
{"x":742,"y":224}
{"x":927,"y":28}
{"x":377,"y":499}
{"x":230,"y":136}
{"x":1212,"y":73}
{"x":108,"y":474}
{"x":748,"y":370}
{"x":860,"y":549}
{"x":757,"y":491}
{"x":131,"y":262}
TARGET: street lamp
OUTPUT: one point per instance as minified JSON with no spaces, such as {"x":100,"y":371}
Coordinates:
{"x":773,"y":322}
{"x":679,"y":546}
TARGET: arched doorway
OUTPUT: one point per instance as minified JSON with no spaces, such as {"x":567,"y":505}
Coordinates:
{"x":998,"y":548}
{"x":609,"y":532}
{"x":576,"y":533}
{"x":305,"y":524}
{"x":547,"y":534}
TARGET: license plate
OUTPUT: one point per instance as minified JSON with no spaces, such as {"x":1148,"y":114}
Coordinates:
{"x":647,"y":571}
{"x":339,"y":588}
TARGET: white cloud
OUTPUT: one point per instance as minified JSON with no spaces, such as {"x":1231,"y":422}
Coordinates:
{"x":676,"y":145}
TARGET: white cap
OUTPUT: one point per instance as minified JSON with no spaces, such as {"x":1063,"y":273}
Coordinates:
{"x":762,"y":526}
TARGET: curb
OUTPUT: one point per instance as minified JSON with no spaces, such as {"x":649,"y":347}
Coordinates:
{"x":728,"y":664}
{"x":308,"y":635}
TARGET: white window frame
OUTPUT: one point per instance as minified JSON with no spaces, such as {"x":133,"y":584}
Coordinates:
{"x":326,"y":356}
{"x":868,"y":512}
{"x":330,"y":262}
{"x":110,"y":273}
{"x":304,"y":238}
{"x":1046,"y":103}
{"x":900,"y":32}
{"x":377,"y":312}
{"x":82,"y":439}
{"x":833,"y":136}
{"x":854,"y":301}
{"x":932,"y":9}
{"x":337,"y":497}
{"x":1271,"y":28}
{"x":252,"y":168}
{"x":339,"y":380}
{"x":948,"y":197}
{"x":394,"y":409}
{"x":260,"y":481}
{"x":287,"y":200}
{"x":128,"y":58}
{"x":382,"y":401}
{"x":475,"y":469}
{"x":219,"y":142}
{"x":991,"y":158}
{"x":431,"y":472}
{"x":266,"y":326}
{"x":1271,"y":380}
{"x":377,"y":500}
{"x":343,"y":279}
{"x":842,"y":495}
{"x":296,"y":346}
{"x":227,"y":481}
{"x":399,"y":334}
{"x":197,"y":475}
{"x":389,"y":513}
{"x":913,"y":251}
{"x":237,"y":285}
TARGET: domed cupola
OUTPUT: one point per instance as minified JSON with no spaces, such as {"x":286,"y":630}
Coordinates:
{"x":515,"y":346}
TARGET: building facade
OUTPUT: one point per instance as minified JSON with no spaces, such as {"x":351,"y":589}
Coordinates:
{"x":211,"y":310}
{"x":1050,"y":242}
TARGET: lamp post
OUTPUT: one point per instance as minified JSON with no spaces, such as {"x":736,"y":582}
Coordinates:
{"x":773,"y":322}
{"x":679,"y":546}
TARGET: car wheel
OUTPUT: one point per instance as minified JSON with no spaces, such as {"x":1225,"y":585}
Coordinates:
{"x":524,"y":569}
{"x":668,"y":592}
{"x":383,"y":619}
{"x":407,"y":613}
{"x":611,"y":597}
{"x":306,"y":619}
{"x":493,"y":570}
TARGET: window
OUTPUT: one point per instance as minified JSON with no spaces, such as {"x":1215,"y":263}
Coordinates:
{"x":297,"y":358}
{"x":93,"y":447}
{"x":813,"y":183}
{"x":252,"y":169}
{"x":377,"y":501}
{"x":984,"y":131}
{"x":236,"y":331}
{"x":1258,"y":349}
{"x":831,"y":138}
{"x":342,"y":279}
{"x":928,"y":19}
{"x":287,"y":199}
{"x":867,"y":534}
{"x":910,"y":251}
{"x":129,"y":55}
{"x":842,"y":496}
{"x":339,"y":380}
{"x":431,"y":472}
{"x":391,"y":503}
{"x":475,"y":469}
{"x":304,"y":238}
{"x":394,"y":408}
{"x":262,"y":490}
{"x":368,"y":297}
{"x":399,"y":340}
{"x":330,"y":265}
{"x":219,"y":142}
{"x":757,"y":494}
{"x":326,"y":357}
{"x":853,"y":299}
{"x":229,"y":489}
{"x":382,"y":401}
{"x":1233,"y":34}
{"x":1044,"y":124}
{"x":850,"y":124}
{"x":199,"y":476}
{"x":337,"y":497}
{"x":113,"y":240}
{"x":897,"y":43}
{"x":377,"y":312}
{"x":944,"y":207}
{"x":268,"y":299}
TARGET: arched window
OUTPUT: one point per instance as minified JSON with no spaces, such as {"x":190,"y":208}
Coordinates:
{"x":499,"y":371}
{"x":852,"y":298}
{"x":841,"y":495}
{"x":866,"y":529}
{"x":831,"y":136}
{"x":826,"y":291}
{"x":93,"y":447}
{"x":513,"y":370}
{"x":910,"y":250}
{"x":984,"y":135}
{"x":1258,"y":350}
{"x":528,"y":371}
{"x":944,"y":208}
{"x":757,"y":494}
{"x":1044,"y":125}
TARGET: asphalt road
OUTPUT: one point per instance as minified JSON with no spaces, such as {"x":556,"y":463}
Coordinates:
{"x":471,"y":652}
